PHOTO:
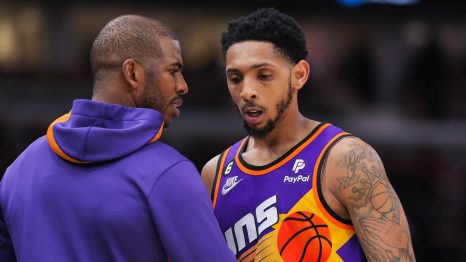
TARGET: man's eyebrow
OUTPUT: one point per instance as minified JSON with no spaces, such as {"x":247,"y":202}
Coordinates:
{"x":261,"y":65}
{"x":231,"y":70}
{"x":254,"y":66}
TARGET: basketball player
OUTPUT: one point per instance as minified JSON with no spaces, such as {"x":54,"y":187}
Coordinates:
{"x":100,"y":186}
{"x":296,"y":189}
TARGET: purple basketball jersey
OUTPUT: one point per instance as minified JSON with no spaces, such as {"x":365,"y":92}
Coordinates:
{"x":252,"y":202}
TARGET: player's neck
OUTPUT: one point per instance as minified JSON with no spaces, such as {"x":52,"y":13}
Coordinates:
{"x":287,"y":133}
{"x":112,"y":94}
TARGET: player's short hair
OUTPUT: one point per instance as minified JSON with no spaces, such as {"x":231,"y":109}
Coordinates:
{"x":268,"y":25}
{"x":128,"y":36}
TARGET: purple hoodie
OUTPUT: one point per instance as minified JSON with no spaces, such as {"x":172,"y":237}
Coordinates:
{"x":99,"y":187}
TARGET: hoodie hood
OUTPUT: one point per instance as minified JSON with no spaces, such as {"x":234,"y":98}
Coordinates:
{"x":95,"y":132}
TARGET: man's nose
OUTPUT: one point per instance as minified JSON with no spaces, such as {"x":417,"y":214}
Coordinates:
{"x":248,"y":92}
{"x":181,"y":86}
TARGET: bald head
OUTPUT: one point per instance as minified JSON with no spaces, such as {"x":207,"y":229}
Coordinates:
{"x":128,"y":36}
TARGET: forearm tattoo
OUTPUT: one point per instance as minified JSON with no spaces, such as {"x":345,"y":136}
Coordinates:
{"x":380,"y":222}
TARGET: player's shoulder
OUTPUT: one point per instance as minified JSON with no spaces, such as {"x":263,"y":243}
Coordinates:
{"x":211,"y":165}
{"x":164,"y":150}
{"x":34,"y":150}
{"x":159,"y":156}
{"x":208,"y":172}
{"x":349,"y":146}
{"x":349,"y":155}
{"x":37,"y":152}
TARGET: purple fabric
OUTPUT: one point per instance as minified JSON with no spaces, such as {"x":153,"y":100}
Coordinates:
{"x":244,"y":198}
{"x":149,"y":205}
{"x":256,"y":189}
{"x":352,"y":251}
{"x":99,"y":132}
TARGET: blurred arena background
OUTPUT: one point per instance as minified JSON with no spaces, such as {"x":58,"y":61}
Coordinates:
{"x":392,"y":72}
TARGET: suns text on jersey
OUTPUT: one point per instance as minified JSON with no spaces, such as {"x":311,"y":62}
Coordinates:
{"x":252,"y":225}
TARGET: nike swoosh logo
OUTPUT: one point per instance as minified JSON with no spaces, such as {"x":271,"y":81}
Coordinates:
{"x":225,"y":190}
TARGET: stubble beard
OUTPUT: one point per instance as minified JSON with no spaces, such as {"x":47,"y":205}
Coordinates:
{"x":152,"y":97}
{"x":261,"y":132}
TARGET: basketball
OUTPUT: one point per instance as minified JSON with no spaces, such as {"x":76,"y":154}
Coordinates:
{"x":304,"y":236}
{"x":380,"y":199}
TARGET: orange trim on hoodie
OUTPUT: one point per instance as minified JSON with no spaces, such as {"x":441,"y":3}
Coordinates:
{"x":53,"y":143}
{"x":158,"y":135}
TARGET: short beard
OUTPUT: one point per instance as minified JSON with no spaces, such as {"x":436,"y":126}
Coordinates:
{"x":270,"y":125}
{"x":151,"y":94}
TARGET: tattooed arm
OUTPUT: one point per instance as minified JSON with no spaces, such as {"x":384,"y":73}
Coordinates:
{"x":356,"y":187}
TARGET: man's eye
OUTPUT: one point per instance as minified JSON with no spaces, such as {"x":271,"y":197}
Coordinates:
{"x":235,"y":79}
{"x":264,"y":76}
{"x":174,"y":71}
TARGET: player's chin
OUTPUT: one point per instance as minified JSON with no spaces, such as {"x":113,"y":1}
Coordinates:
{"x":170,"y":116}
{"x":255,"y":124}
{"x":167,"y":121}
{"x":252,"y":127}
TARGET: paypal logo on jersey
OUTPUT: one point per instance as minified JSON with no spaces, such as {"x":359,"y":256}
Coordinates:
{"x":298,"y":165}
{"x":295,"y":179}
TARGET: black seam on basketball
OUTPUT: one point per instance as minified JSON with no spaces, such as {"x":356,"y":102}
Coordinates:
{"x":316,"y":235}
{"x":217,"y":172}
{"x":320,"y":249}
{"x":318,"y":187}
{"x":304,"y":250}
{"x":310,"y":240}
{"x":320,"y":246}
{"x":317,"y":226}
{"x":295,"y":219}
{"x":293,"y":236}
{"x":326,"y":239}
{"x":304,"y":215}
{"x":257,"y":168}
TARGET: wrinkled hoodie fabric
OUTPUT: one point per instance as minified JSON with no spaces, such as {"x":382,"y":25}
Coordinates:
{"x":100,"y":187}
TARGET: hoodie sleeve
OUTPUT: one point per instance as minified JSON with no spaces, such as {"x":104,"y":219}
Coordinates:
{"x":184,"y":217}
{"x":7,"y":253}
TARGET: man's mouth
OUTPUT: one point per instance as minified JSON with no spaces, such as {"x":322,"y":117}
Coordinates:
{"x":252,"y":114}
{"x":177,"y":102}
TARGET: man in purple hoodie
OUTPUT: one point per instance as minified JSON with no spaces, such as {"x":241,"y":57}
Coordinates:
{"x":100,"y":186}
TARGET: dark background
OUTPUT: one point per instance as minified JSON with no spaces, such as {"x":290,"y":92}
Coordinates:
{"x":392,"y":74}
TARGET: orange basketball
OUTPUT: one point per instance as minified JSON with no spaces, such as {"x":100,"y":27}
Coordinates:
{"x":304,"y":236}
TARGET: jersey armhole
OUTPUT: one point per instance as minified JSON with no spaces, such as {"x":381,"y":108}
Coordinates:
{"x":323,"y":205}
{"x":218,"y":176}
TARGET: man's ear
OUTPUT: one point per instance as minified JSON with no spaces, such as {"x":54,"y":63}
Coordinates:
{"x":133,"y":73}
{"x":300,"y":74}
